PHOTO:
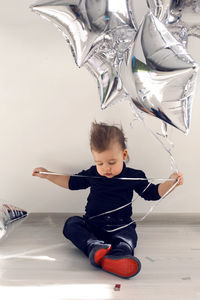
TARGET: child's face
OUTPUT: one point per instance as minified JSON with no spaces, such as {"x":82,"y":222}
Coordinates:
{"x":109,"y":163}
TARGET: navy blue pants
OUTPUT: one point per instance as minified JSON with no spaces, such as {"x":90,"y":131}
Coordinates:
{"x":80,"y":231}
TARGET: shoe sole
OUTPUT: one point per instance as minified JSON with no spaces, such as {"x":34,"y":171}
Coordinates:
{"x":96,"y":255}
{"x":124,"y":267}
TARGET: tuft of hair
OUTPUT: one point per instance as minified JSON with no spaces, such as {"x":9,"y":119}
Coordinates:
{"x":103,"y":135}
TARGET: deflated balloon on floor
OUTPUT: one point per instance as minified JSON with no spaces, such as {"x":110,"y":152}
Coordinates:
{"x":8,"y":215}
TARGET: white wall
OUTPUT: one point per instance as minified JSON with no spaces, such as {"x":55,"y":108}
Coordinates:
{"x":46,"y":107}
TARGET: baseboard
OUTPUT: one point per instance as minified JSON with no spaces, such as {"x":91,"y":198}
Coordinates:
{"x":161,"y":218}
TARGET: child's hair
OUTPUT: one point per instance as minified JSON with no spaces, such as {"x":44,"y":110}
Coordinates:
{"x":102,"y":135}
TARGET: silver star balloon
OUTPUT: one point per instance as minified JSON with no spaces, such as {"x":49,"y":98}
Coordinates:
{"x":182,"y":17}
{"x":105,"y":63}
{"x":109,"y":82}
{"x":99,"y":36}
{"x":86,"y":24}
{"x":159,"y":75}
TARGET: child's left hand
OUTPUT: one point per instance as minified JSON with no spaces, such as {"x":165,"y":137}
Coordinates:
{"x":167,"y":186}
{"x":178,"y":177}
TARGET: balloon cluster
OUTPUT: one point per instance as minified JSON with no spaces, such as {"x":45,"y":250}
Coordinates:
{"x":147,"y":64}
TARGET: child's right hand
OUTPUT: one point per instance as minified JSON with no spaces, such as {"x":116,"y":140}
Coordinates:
{"x":36,"y":172}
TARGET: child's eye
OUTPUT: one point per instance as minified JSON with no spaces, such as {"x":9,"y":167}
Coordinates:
{"x":112,"y":163}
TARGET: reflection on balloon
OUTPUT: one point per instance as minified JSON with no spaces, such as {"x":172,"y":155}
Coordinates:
{"x":182,"y":17}
{"x":159,"y":75}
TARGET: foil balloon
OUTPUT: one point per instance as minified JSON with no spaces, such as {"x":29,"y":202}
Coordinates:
{"x":9,"y":214}
{"x":109,"y":83}
{"x":105,"y":62}
{"x":159,"y":75}
{"x":86,"y":23}
{"x":182,"y":17}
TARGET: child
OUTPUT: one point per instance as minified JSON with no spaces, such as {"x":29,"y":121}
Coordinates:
{"x":105,"y":233}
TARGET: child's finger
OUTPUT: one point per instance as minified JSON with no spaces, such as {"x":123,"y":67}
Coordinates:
{"x":180,"y":178}
{"x":35,"y":173}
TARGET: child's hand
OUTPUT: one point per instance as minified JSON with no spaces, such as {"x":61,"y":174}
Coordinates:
{"x":178,"y":177}
{"x":167,"y":186}
{"x":36,"y":172}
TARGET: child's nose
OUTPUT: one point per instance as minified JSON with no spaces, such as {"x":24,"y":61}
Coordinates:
{"x":107,"y":168}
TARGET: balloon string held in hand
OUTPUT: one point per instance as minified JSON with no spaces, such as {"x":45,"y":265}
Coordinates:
{"x":123,"y":206}
{"x":147,"y":213}
{"x":109,"y":150}
{"x":97,"y":177}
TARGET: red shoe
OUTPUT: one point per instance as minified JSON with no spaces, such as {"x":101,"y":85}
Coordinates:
{"x":123,"y":266}
{"x":97,"y":253}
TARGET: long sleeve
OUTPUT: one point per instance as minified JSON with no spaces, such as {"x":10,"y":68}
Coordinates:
{"x":79,"y":183}
{"x":147,"y":192}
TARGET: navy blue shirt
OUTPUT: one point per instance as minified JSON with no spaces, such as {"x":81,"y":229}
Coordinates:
{"x":110,"y":193}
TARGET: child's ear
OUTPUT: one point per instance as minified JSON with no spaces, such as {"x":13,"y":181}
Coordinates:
{"x":125,"y":154}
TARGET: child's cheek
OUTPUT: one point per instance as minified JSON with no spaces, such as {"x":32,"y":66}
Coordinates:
{"x":99,"y":170}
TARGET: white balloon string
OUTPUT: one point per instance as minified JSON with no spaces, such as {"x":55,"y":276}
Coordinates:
{"x":113,"y":210}
{"x":168,"y":150}
{"x":148,"y":212}
{"x":173,"y":166}
{"x":165,"y":195}
{"x":133,"y":200}
{"x":139,"y":116}
{"x":118,"y":178}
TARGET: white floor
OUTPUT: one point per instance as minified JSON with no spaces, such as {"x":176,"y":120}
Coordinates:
{"x":37,"y":262}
